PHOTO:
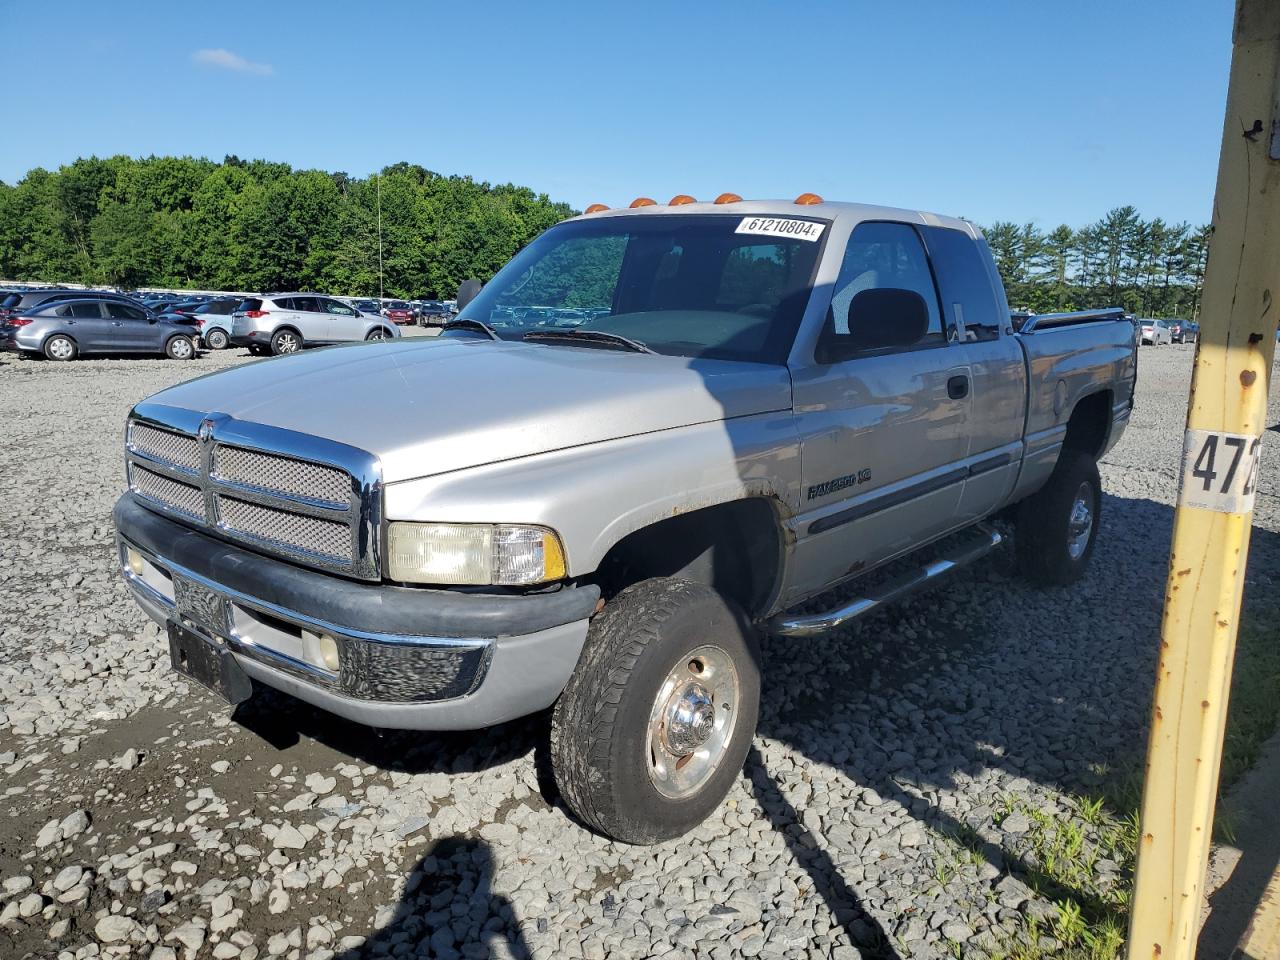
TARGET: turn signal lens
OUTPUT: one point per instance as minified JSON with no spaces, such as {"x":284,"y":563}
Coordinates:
{"x":642,"y":202}
{"x":728,"y":198}
{"x":134,"y":561}
{"x":680,"y":200}
{"x":329,"y":653}
{"x":808,"y":199}
{"x":596,"y":208}
{"x":473,"y":554}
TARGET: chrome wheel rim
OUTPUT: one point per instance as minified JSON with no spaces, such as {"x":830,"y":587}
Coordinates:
{"x":692,"y":722}
{"x":61,"y":349}
{"x":1080,"y":523}
{"x":217,"y":340}
{"x":286,"y":343}
{"x":182,"y":349}
{"x":377,"y":335}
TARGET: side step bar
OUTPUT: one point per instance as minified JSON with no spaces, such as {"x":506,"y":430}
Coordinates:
{"x":813,"y":625}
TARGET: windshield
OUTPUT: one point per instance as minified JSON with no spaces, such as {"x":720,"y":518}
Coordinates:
{"x":700,"y":285}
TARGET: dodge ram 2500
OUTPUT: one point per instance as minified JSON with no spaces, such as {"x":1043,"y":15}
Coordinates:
{"x":753,"y":403}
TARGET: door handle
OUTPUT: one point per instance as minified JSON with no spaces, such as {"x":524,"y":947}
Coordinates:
{"x":116,"y":323}
{"x":958,"y":387}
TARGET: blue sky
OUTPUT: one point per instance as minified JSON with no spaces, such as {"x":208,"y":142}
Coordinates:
{"x":1051,"y":112}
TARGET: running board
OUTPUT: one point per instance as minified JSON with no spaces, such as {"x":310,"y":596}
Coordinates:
{"x":816,"y":624}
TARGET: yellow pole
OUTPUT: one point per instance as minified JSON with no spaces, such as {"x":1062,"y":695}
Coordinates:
{"x":1225,"y":421}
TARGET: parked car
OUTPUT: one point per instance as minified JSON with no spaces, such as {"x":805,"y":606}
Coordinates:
{"x":1182,"y":331}
{"x":1155,"y":332}
{"x":605,"y":518}
{"x":433,"y":314}
{"x":287,"y":322}
{"x":65,"y":329}
{"x":214,"y":319}
{"x":398,"y":311}
{"x":20,"y":302}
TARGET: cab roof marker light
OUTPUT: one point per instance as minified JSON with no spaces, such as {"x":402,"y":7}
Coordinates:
{"x":680,"y":199}
{"x":728,"y":198}
{"x":596,"y":208}
{"x":808,"y":199}
{"x":642,"y":202}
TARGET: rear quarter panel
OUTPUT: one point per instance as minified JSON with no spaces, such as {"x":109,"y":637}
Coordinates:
{"x":1065,"y":365}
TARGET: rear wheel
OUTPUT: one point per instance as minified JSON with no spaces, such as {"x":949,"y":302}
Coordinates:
{"x":216,"y":339}
{"x":180,"y":348}
{"x":1058,"y":526}
{"x":654,"y":725}
{"x":59,"y":347}
{"x":285,"y":341}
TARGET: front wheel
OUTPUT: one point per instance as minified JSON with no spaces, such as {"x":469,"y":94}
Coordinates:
{"x":216,"y":340}
{"x":654,"y":725}
{"x":180,"y":348}
{"x":1058,"y":526}
{"x":379,"y":334}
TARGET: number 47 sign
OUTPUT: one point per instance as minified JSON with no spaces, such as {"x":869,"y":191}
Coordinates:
{"x":1219,"y":471}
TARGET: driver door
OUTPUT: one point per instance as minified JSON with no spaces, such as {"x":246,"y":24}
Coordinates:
{"x":884,"y":431}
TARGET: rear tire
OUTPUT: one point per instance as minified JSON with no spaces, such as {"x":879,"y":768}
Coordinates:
{"x":1057,"y":527}
{"x":654,"y":725}
{"x":180,"y":348}
{"x":216,"y":340}
{"x":59,"y":347}
{"x":284,"y":342}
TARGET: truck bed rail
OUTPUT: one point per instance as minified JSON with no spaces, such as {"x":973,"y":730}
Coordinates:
{"x":1037,"y":321}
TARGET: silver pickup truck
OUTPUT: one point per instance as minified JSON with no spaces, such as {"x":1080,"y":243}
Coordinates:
{"x":753,"y":405}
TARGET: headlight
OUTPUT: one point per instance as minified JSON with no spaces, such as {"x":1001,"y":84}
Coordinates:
{"x":473,"y":553}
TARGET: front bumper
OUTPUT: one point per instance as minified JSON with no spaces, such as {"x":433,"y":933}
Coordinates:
{"x":414,"y":659}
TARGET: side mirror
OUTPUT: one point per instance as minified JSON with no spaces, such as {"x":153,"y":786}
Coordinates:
{"x":886,"y":317}
{"x":468,"y":290}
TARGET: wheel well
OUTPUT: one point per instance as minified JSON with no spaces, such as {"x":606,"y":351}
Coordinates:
{"x":734,"y":547}
{"x":1089,"y":425}
{"x":290,"y":327}
{"x":59,"y":333}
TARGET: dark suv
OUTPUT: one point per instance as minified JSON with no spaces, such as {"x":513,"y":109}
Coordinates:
{"x":22,"y":301}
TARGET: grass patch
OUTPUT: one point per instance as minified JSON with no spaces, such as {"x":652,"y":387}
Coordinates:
{"x":1083,"y":863}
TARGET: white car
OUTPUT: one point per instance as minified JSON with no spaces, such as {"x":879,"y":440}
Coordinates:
{"x":286,"y":322}
{"x":1155,"y":332}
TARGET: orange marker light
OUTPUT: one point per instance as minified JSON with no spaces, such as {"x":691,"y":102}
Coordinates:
{"x":728,"y":198}
{"x":808,"y":199}
{"x":642,"y":202}
{"x":680,"y":200}
{"x":596,"y":208}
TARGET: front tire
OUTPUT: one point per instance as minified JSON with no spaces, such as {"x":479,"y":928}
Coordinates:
{"x":180,"y":348}
{"x":284,"y":342}
{"x":59,"y":347}
{"x":379,"y":333}
{"x":1057,"y":527}
{"x":216,"y":340}
{"x":654,"y":725}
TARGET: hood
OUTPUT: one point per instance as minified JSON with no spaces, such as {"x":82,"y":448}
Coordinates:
{"x":425,"y":407}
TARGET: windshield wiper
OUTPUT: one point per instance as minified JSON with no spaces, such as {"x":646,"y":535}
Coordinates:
{"x":588,"y":336}
{"x":469,"y":323}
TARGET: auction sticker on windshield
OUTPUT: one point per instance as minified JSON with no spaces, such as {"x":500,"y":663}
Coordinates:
{"x":781,"y":227}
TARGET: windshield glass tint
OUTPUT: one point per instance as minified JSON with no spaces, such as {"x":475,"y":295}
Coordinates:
{"x":682,"y":285}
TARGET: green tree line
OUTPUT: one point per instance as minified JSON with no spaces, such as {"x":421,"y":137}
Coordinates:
{"x":1149,"y":267}
{"x":254,"y":225}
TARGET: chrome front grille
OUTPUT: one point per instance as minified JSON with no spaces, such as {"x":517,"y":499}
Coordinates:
{"x":180,"y":451}
{"x":186,"y":498}
{"x":283,"y":475}
{"x":285,"y":530}
{"x":312,"y":500}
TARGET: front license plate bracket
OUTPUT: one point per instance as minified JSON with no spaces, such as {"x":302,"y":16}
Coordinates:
{"x":208,"y":663}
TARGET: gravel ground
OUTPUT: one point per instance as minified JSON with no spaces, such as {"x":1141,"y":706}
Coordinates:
{"x":138,"y":819}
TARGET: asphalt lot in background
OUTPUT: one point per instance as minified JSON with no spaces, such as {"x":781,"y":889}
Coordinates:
{"x":138,"y":817}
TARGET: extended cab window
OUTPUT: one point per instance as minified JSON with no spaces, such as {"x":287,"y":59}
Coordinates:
{"x":722,"y":286}
{"x":967,"y":294}
{"x":880,"y":256}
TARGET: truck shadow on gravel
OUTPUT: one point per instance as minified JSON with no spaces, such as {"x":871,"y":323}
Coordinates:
{"x":983,"y":683}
